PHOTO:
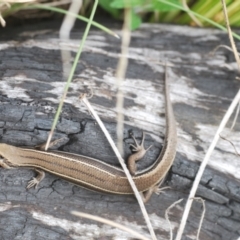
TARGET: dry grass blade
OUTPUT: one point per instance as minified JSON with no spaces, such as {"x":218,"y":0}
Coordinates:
{"x":202,"y":217}
{"x":236,"y":152}
{"x":58,"y":3}
{"x":6,"y":4}
{"x":230,"y":34}
{"x":69,"y":19}
{"x":204,"y":164}
{"x":235,"y":117}
{"x":221,"y":46}
{"x":215,"y":139}
{"x":167,"y":218}
{"x":184,"y":3}
{"x":111,"y":223}
{"x":131,"y":182}
{"x":64,"y":34}
{"x":3,"y":6}
{"x":19,"y":1}
{"x":120,"y":75}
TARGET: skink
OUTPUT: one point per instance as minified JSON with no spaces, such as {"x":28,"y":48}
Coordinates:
{"x":92,"y":173}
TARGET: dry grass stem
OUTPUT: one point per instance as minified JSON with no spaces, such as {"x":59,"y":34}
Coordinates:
{"x":167,"y":218}
{"x":230,"y":34}
{"x":230,"y":49}
{"x":202,"y":216}
{"x":198,"y":23}
{"x":64,"y":34}
{"x":110,"y":223}
{"x":129,"y":177}
{"x":235,"y":117}
{"x":58,"y":3}
{"x":69,"y":19}
{"x":111,"y":142}
{"x":215,"y":139}
{"x":18,"y":1}
{"x":204,"y":164}
{"x":3,"y":6}
{"x":236,"y":152}
{"x":120,"y":75}
{"x":221,"y":46}
{"x":6,"y":4}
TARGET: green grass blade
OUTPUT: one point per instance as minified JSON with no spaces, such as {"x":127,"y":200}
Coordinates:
{"x":59,"y":10}
{"x":72,"y":71}
{"x":201,"y":17}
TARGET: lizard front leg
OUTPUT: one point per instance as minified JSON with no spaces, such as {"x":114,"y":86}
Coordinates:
{"x":36,"y":180}
{"x":40,"y":173}
{"x":4,"y":164}
{"x":140,"y":152}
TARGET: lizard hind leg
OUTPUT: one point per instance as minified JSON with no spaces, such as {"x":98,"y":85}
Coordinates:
{"x":155,"y":189}
{"x":52,"y":144}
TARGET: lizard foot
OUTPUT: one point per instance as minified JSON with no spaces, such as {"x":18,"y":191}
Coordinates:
{"x":36,"y":180}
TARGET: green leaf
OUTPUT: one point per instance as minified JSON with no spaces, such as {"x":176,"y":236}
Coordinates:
{"x":163,"y":7}
{"x":127,"y":3}
{"x":106,"y":5}
{"x":135,"y":21}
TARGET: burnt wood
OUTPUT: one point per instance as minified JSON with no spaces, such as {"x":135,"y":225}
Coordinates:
{"x":202,"y":87}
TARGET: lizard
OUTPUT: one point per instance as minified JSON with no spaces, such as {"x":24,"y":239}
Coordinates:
{"x":94,"y":174}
